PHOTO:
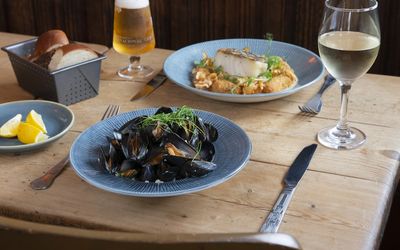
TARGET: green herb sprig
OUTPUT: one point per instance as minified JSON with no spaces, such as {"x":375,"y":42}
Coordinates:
{"x":202,"y":63}
{"x":183,"y":117}
{"x":269,"y":37}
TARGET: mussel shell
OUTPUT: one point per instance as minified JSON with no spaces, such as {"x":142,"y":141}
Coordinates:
{"x":117,"y":135}
{"x":185,"y":134}
{"x":166,"y":172}
{"x":116,"y":144}
{"x":131,"y":125}
{"x":131,"y":173}
{"x":203,"y":132}
{"x":200,"y":168}
{"x":212,"y":132}
{"x":147,"y":173}
{"x":187,"y":149}
{"x":103,"y":160}
{"x":114,"y":158}
{"x":134,"y":145}
{"x":164,"y":110}
{"x":195,"y":140}
{"x":207,"y":151}
{"x":155,"y":132}
{"x":154,"y":156}
{"x":130,"y":164}
{"x":189,"y":167}
{"x":129,"y":168}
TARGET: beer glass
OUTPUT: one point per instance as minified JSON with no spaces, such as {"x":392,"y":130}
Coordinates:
{"x":348,"y":44}
{"x":133,"y":36}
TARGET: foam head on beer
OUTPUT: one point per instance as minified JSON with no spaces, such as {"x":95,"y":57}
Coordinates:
{"x":132,"y":4}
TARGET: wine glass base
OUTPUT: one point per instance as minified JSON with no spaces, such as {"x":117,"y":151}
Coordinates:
{"x":135,"y":73}
{"x":342,"y":140}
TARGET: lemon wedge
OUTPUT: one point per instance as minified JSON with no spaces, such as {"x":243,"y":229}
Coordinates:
{"x":28,"y":133}
{"x":10,"y":128}
{"x":36,"y":120}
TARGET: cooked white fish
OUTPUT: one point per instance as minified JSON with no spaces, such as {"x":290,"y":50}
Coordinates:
{"x":240,"y":63}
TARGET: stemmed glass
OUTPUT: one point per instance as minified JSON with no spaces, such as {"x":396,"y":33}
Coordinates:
{"x":133,"y":36}
{"x":348,"y":44}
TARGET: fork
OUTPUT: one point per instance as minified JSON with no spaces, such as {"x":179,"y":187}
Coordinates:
{"x":314,"y":105}
{"x":48,"y":178}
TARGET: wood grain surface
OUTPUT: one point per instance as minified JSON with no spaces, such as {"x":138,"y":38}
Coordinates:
{"x":179,"y":23}
{"x":342,"y":201}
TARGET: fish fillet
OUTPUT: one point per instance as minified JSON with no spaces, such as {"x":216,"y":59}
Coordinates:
{"x":240,"y":63}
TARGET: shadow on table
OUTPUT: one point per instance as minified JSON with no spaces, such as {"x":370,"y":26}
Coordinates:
{"x":390,"y":238}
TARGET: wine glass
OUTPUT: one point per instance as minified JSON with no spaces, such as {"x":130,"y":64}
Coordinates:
{"x":133,"y":36}
{"x":348,"y":44}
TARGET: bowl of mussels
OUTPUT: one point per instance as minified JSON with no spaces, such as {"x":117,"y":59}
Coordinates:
{"x":160,"y":152}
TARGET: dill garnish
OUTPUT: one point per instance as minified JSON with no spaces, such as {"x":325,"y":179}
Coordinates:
{"x":183,"y":117}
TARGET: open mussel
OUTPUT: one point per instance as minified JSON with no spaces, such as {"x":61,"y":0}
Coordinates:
{"x":176,"y":145}
{"x":155,"y":131}
{"x":111,"y":160}
{"x":130,"y":168}
{"x":135,"y":145}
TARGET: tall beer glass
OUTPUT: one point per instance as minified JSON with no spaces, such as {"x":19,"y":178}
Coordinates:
{"x":133,"y":35}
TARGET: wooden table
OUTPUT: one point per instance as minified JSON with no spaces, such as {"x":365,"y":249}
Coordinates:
{"x":341,"y":203}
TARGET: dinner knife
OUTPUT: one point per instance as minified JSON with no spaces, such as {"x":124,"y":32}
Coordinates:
{"x":154,"y":83}
{"x":292,"y":178}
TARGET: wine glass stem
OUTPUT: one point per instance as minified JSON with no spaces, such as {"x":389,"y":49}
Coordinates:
{"x":135,"y":64}
{"x":342,"y":125}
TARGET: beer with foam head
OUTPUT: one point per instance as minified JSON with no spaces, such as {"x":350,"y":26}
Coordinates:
{"x":133,"y":27}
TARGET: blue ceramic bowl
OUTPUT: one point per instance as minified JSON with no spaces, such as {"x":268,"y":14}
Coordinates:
{"x":307,"y":66}
{"x":57,"y":118}
{"x":233,"y":149}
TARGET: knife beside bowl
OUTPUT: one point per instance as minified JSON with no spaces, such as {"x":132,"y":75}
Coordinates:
{"x":292,"y":178}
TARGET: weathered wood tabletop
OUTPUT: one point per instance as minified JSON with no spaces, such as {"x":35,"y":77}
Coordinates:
{"x":341,"y":203}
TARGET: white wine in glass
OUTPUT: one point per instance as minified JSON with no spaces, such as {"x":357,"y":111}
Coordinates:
{"x":133,"y":35}
{"x":348,"y":44}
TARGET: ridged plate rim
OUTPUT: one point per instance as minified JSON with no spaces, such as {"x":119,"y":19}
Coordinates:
{"x":213,"y":182}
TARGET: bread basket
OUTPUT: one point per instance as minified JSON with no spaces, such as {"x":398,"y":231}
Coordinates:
{"x":68,"y":85}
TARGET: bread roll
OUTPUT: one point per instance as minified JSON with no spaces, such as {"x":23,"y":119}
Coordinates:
{"x":70,"y":54}
{"x":49,"y":41}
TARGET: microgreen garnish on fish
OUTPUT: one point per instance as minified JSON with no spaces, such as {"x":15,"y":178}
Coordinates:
{"x":231,"y":78}
{"x":218,"y":69}
{"x":267,"y":75}
{"x":274,"y":62}
{"x":202,"y":63}
{"x":233,"y":90}
{"x":269,"y":37}
{"x":250,"y":80}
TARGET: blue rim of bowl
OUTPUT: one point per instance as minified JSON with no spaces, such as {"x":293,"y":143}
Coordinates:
{"x":51,"y":139}
{"x":164,"y":194}
{"x":280,"y":93}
